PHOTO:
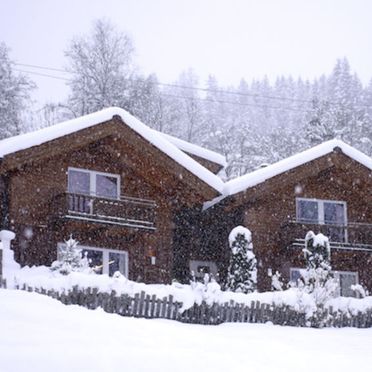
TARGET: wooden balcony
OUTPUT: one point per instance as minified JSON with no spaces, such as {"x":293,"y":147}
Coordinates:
{"x":352,"y":236}
{"x":126,"y":211}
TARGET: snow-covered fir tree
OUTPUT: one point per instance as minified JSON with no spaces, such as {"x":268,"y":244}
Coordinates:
{"x":70,"y":258}
{"x":317,"y":280}
{"x":242,"y":273}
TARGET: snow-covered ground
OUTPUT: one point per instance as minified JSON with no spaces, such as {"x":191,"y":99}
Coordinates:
{"x":40,"y":334}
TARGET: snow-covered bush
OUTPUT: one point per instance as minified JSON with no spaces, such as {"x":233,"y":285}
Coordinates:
{"x":359,"y":290}
{"x":70,"y":259}
{"x":276,"y":281}
{"x":317,"y":280}
{"x":242,"y":273}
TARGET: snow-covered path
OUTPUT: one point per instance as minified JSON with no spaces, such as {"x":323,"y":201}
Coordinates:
{"x":40,"y":334}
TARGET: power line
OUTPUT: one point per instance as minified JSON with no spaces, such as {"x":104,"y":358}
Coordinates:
{"x":186,"y":97}
{"x":253,"y":95}
{"x":41,"y":67}
{"x":41,"y":74}
{"x":173,"y":85}
{"x":237,"y":103}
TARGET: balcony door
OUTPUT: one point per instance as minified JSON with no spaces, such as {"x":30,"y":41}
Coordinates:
{"x":324,"y":212}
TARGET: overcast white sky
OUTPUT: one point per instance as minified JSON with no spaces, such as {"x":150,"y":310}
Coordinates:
{"x":230,"y":39}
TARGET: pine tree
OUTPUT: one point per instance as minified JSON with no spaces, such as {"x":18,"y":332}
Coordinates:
{"x":318,"y":279}
{"x":242,"y":273}
{"x":70,"y":259}
{"x":186,"y":106}
{"x":147,"y":103}
{"x":215,"y":133}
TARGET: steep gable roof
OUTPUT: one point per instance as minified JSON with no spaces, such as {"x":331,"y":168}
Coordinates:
{"x":256,"y":177}
{"x":24,"y":141}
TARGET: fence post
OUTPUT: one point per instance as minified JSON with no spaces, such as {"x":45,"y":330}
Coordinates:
{"x":7,"y":261}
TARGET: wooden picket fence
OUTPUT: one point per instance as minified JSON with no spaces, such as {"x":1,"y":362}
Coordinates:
{"x":143,"y":305}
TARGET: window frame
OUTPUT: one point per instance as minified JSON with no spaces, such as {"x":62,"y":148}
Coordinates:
{"x":105,"y":256}
{"x":320,"y":203}
{"x":337,"y":275}
{"x":194,"y":264}
{"x":294,"y":269}
{"x":321,"y":220}
{"x":93,"y":181}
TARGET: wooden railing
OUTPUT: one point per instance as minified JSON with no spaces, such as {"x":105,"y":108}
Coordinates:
{"x":349,"y":236}
{"x":126,"y":211}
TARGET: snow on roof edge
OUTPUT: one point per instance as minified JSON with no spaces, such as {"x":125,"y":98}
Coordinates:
{"x":172,"y":151}
{"x":256,"y":177}
{"x":196,"y":150}
{"x":27,"y":140}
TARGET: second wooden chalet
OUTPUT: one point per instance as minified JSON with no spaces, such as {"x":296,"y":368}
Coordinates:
{"x":326,"y":189}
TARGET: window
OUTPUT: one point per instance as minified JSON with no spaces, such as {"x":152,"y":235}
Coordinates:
{"x":345,"y":280}
{"x":324,"y":212}
{"x":104,"y":261}
{"x":87,"y":182}
{"x":295,"y":274}
{"x":200,"y":268}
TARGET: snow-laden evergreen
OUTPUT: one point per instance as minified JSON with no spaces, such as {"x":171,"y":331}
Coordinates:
{"x":242,"y":272}
{"x":317,"y":280}
{"x":70,"y":259}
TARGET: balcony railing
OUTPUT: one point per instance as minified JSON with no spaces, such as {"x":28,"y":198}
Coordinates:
{"x":126,"y":211}
{"x":351,"y":236}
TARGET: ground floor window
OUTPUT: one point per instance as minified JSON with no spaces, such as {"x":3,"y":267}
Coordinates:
{"x":345,"y":280}
{"x":200,"y":268}
{"x":105,"y":261}
{"x":295,"y":274}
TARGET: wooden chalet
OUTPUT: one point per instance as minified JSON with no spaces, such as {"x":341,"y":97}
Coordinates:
{"x":118,"y":187}
{"x":327,"y":189}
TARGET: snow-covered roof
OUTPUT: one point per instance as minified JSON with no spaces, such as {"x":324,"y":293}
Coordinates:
{"x":27,"y":140}
{"x":254,"y":178}
{"x":196,"y":150}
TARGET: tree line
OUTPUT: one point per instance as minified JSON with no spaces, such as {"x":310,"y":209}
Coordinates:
{"x":252,"y":123}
